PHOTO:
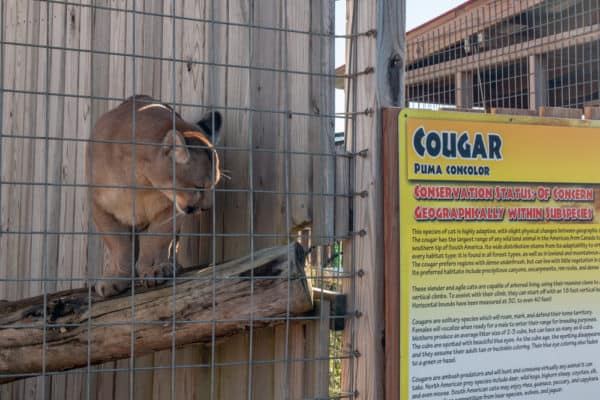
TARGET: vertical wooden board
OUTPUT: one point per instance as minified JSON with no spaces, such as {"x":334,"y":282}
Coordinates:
{"x":37,"y":209}
{"x":289,"y":371}
{"x":342,"y":187}
{"x":55,"y":130}
{"x":143,"y":379}
{"x":167,"y":67}
{"x":235,"y":214}
{"x":105,"y":382}
{"x":235,"y":350}
{"x":391,"y":218}
{"x":195,"y":47}
{"x":348,"y":377}
{"x":371,"y":93}
{"x":82,"y":211}
{"x":28,"y":156}
{"x":20,"y":151}
{"x":269,"y":168}
{"x":295,"y":364}
{"x":58,"y":387}
{"x":171,"y":52}
{"x":192,"y":380}
{"x":122,"y":380}
{"x":321,"y":127}
{"x":101,"y":37}
{"x":263,"y":372}
{"x":152,"y":47}
{"x":118,"y":43}
{"x":280,"y":372}
{"x":6,"y":391}
{"x":75,"y":388}
{"x":161,"y":381}
{"x":296,"y":87}
{"x":317,"y":349}
{"x":99,"y":78}
{"x":133,"y":47}
{"x":69,"y":150}
{"x":12,"y":149}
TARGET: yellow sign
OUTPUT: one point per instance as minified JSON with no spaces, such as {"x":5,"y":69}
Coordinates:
{"x":499,"y":149}
{"x":500,"y":257}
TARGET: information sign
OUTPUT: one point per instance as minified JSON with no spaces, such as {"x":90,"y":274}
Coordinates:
{"x":499,"y":257}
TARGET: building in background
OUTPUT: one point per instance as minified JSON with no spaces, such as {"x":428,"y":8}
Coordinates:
{"x":523,"y":54}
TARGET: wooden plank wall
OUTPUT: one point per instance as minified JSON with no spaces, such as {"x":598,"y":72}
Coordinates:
{"x":59,"y":91}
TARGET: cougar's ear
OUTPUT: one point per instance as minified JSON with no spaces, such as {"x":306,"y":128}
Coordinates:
{"x":174,"y":147}
{"x":210,"y":120}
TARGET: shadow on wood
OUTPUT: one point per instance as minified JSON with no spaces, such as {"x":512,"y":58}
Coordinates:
{"x":211,"y":303}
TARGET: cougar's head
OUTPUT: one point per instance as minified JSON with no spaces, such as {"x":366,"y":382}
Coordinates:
{"x":193,"y":165}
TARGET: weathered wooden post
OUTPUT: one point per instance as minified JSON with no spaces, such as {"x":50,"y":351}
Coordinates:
{"x":379,"y":26}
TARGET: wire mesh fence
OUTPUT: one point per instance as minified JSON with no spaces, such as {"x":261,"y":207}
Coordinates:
{"x":89,"y":219}
{"x":506,"y":54}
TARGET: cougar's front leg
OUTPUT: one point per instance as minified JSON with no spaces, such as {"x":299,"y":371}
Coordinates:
{"x":117,"y":238}
{"x":155,"y":261}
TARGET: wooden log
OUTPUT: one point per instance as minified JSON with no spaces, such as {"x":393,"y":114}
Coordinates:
{"x":272,"y":275}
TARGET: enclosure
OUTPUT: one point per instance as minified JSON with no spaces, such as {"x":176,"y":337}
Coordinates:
{"x":268,"y":67}
{"x":506,"y":54}
{"x":253,"y":315}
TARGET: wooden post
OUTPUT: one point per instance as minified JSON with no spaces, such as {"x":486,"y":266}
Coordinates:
{"x":538,"y":81}
{"x":464,"y":89}
{"x":64,"y":336}
{"x":368,"y":94}
{"x":391,"y":217}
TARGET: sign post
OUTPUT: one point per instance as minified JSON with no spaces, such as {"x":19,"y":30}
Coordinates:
{"x":499,"y":257}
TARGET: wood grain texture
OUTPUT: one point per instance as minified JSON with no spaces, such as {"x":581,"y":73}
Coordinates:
{"x":67,"y":348}
{"x":385,"y":55}
{"x":390,"y":50}
{"x":321,"y":129}
{"x":391,"y":218}
{"x":317,"y":347}
{"x":261,"y":97}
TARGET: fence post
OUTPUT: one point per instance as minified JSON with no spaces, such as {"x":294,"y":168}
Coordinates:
{"x":538,"y":81}
{"x":378,"y":31}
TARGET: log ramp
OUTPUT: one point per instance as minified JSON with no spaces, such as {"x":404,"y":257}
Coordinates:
{"x":246,"y":291}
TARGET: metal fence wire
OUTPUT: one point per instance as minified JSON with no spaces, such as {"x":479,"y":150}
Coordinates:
{"x":513,"y":56}
{"x":267,"y":67}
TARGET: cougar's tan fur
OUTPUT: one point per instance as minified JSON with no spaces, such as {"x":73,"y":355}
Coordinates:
{"x":134,"y":190}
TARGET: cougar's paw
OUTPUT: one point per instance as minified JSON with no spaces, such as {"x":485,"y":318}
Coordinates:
{"x":158,"y":274}
{"x":107,"y":288}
